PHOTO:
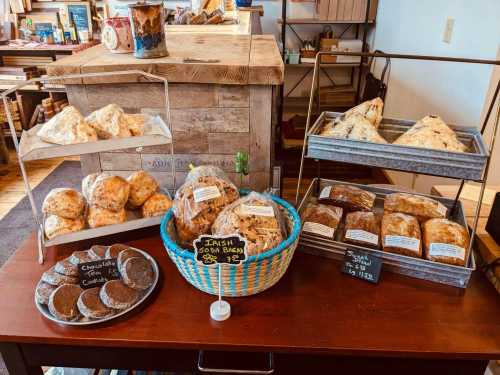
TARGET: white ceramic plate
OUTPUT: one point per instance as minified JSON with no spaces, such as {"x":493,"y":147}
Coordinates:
{"x":44,"y":310}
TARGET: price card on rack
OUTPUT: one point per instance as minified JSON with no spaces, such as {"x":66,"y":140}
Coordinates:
{"x":215,"y":251}
{"x":362,"y":265}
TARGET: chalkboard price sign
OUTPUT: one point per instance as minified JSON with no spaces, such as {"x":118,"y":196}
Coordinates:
{"x":220,"y":249}
{"x":362,"y":265}
{"x":93,"y":274}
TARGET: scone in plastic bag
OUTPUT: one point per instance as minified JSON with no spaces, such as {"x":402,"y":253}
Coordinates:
{"x":197,"y":204}
{"x":256,"y":218}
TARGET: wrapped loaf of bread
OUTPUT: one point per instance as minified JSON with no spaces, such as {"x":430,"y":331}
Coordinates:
{"x":446,"y":241}
{"x":423,"y":208}
{"x":362,"y":228}
{"x":109,"y":122}
{"x":256,"y":218}
{"x":66,"y":128}
{"x":401,"y":235}
{"x":355,"y":127}
{"x":431,"y":132}
{"x":321,"y":219}
{"x":370,"y":110}
{"x":198,"y":203}
{"x":350,"y":198}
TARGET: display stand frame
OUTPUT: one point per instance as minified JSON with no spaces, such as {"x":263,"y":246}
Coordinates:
{"x":491,"y":145}
{"x":165,"y":137}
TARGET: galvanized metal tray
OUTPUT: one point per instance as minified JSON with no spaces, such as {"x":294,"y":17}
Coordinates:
{"x":44,"y":310}
{"x":460,"y":165}
{"x":405,"y":265}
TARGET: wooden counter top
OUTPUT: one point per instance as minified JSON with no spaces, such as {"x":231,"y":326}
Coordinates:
{"x":243,"y":60}
{"x":314,"y":308}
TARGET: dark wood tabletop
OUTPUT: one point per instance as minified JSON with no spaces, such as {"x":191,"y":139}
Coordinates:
{"x":313,"y":309}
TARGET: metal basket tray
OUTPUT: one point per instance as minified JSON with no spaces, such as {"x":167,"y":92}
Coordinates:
{"x":415,"y":267}
{"x":461,"y":165}
{"x":44,"y":310}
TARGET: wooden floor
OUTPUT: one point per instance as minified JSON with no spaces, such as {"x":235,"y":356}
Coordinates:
{"x":11,"y":182}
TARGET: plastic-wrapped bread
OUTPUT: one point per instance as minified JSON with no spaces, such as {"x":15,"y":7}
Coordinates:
{"x":66,"y":128}
{"x":431,"y":132}
{"x":370,"y":110}
{"x":445,"y":241}
{"x":198,"y":203}
{"x":204,"y":171}
{"x":321,"y":219}
{"x":356,"y":127}
{"x":423,"y":208}
{"x":362,"y":228}
{"x":256,"y":218}
{"x":109,"y":122}
{"x":350,"y":198}
{"x":401,"y":235}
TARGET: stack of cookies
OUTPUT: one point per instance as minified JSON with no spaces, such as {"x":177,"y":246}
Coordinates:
{"x":59,"y":287}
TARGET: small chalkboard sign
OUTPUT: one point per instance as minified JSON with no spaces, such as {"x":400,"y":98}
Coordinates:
{"x":220,"y":249}
{"x":93,"y":274}
{"x":362,"y":265}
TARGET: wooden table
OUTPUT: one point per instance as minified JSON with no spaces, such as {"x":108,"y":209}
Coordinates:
{"x":217,"y":108}
{"x":315,"y":320}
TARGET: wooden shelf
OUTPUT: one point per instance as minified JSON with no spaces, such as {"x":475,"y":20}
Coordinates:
{"x":313,"y":21}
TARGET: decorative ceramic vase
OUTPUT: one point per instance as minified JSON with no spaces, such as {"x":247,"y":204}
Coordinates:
{"x":148,"y":30}
{"x":117,"y":35}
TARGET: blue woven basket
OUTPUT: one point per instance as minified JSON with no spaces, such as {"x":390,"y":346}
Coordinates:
{"x":258,"y":273}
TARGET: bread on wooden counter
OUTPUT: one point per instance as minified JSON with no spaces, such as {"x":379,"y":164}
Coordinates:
{"x":401,"y":235}
{"x":421,"y":207}
{"x":446,"y":241}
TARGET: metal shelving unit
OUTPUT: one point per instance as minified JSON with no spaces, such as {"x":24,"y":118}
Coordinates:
{"x":335,"y":152}
{"x":31,"y":147}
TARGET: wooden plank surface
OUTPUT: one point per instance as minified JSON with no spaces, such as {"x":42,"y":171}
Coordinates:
{"x":314,"y":308}
{"x":243,"y":59}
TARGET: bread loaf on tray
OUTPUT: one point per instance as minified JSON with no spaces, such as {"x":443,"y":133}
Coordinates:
{"x":423,"y":208}
{"x":321,"y":219}
{"x":401,"y":235}
{"x":350,"y":198}
{"x":446,"y":241}
{"x":362,"y":228}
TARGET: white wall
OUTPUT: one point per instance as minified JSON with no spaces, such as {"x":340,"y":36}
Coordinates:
{"x":454,"y":91}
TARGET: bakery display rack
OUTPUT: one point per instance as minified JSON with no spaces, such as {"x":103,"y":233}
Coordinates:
{"x":472,"y":166}
{"x":31,"y":147}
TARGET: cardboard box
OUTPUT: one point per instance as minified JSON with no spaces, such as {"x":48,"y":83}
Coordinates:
{"x":351,"y":10}
{"x":322,"y":9}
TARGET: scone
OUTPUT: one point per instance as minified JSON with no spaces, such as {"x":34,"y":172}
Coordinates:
{"x":401,"y":235}
{"x":109,"y":192}
{"x":64,"y":202}
{"x":362,"y":228}
{"x":88,"y":183}
{"x":156,"y":205}
{"x":109,"y":122}
{"x":100,"y":217}
{"x":142,"y":186}
{"x":370,"y":110}
{"x":423,"y":208}
{"x":355,"y":127}
{"x":66,"y":128}
{"x":256,"y":218}
{"x":431,"y":132}
{"x":350,"y":198}
{"x":116,"y":295}
{"x":446,"y":241}
{"x":197,"y":205}
{"x":63,"y":302}
{"x":136,"y":123}
{"x":321,"y":219}
{"x":55,"y":226}
{"x":137,"y":273}
{"x":90,"y":305}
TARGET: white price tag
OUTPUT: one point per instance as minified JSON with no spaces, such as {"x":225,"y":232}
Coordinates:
{"x":317,"y":228}
{"x":206,"y":193}
{"x":325,"y":193}
{"x":446,"y":250}
{"x":404,"y":242}
{"x":257,"y":210}
{"x":441,"y":208}
{"x":361,"y":235}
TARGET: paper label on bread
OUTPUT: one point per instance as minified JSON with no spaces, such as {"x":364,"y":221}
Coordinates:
{"x":446,"y":250}
{"x":362,"y":235}
{"x":317,"y":228}
{"x":257,"y":210}
{"x":206,"y":193}
{"x":325,"y":193}
{"x":441,"y":208}
{"x":404,"y":242}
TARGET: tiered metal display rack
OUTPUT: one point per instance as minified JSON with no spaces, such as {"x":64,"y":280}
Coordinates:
{"x":472,"y":166}
{"x":31,"y":147}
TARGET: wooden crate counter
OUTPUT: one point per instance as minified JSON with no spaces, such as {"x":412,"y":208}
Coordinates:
{"x":217,"y":108}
